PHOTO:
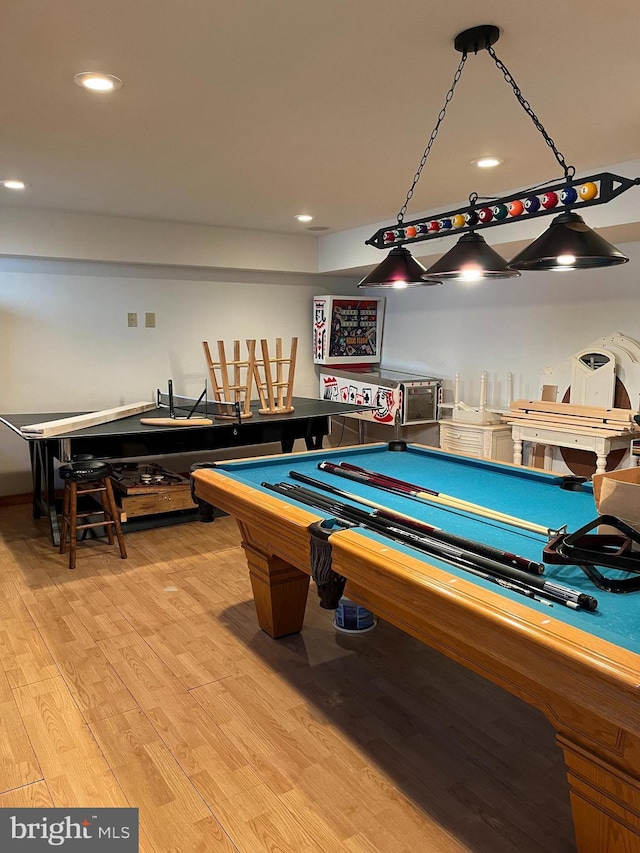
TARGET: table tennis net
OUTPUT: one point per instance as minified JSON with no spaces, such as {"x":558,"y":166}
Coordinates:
{"x":191,"y":407}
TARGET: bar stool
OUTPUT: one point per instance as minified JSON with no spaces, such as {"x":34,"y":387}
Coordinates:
{"x":88,"y":477}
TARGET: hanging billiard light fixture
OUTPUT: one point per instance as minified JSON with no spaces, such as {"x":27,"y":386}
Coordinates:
{"x":567,"y":244}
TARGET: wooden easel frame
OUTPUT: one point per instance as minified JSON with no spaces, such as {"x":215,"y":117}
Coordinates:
{"x":274,"y":390}
{"x":231,"y":391}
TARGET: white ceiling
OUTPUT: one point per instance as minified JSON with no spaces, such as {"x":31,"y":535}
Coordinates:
{"x":246,"y":113}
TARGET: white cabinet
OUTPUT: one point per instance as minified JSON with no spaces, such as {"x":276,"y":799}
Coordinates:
{"x":488,"y":441}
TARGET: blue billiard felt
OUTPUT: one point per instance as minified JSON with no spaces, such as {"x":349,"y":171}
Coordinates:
{"x":533,"y":496}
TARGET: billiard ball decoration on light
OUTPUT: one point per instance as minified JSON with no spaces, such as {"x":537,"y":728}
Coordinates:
{"x":511,"y":209}
{"x":568,"y":195}
{"x":588,"y":191}
{"x":532,"y":204}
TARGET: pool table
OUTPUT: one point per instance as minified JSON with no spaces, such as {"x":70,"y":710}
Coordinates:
{"x":580,"y":668}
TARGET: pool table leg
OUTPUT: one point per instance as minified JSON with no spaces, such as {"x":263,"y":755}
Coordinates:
{"x":279,"y":592}
{"x":605,"y":795}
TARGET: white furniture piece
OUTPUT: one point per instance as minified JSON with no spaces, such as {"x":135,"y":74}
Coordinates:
{"x":482,"y":441}
{"x":554,"y":436}
{"x":590,"y":377}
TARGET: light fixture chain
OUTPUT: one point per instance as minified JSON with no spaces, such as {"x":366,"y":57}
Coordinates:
{"x":569,"y":171}
{"x":432,"y":138}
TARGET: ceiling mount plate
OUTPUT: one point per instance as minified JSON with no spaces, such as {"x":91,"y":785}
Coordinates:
{"x":477,"y":38}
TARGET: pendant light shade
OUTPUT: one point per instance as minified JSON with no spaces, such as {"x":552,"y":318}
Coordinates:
{"x":471,"y":259}
{"x":568,"y":244}
{"x":399,"y":269}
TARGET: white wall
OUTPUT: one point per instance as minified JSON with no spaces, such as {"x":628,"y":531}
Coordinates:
{"x":33,"y":233}
{"x":65,"y":344}
{"x":513,"y":325}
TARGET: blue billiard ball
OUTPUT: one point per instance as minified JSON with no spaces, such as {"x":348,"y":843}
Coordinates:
{"x":568,"y":195}
{"x":532,"y":203}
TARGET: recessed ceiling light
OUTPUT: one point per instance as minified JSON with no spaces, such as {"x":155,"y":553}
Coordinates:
{"x":487,"y":162}
{"x":12,"y":184}
{"x":97,"y":82}
{"x":304,"y":217}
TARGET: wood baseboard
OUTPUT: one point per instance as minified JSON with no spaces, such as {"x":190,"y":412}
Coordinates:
{"x":15,"y":500}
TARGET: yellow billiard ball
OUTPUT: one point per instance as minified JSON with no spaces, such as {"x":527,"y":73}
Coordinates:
{"x":588,"y":191}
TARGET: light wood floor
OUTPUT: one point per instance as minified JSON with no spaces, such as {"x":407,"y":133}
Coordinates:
{"x":145,"y":682}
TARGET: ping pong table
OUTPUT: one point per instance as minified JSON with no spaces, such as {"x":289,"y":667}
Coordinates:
{"x":127,"y":438}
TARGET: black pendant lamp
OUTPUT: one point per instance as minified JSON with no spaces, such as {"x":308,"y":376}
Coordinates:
{"x":398,"y":270}
{"x":568,"y":244}
{"x":471,"y":259}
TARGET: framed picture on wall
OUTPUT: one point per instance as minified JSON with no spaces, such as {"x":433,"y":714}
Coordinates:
{"x":347,"y":330}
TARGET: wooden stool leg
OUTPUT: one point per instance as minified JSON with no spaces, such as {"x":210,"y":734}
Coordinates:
{"x":106,"y":511}
{"x":115,"y":516}
{"x":73,"y":523}
{"x":65,"y":518}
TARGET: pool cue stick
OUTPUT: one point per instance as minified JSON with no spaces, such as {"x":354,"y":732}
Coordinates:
{"x":415,"y":490}
{"x":571,"y":598}
{"x":422,"y":527}
{"x":566,"y":596}
{"x":457,"y":556}
{"x":514,"y":586}
{"x":438,"y":500}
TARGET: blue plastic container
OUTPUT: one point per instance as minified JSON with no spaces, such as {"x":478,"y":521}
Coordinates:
{"x":352,"y":618}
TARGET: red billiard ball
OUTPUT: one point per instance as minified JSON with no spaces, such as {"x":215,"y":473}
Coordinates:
{"x":515,"y":207}
{"x":549,"y":200}
{"x":389,"y":236}
{"x":485,"y":214}
{"x":434,"y":226}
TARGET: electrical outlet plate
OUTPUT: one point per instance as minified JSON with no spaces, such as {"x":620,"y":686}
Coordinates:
{"x":150,"y":320}
{"x":132,"y":320}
